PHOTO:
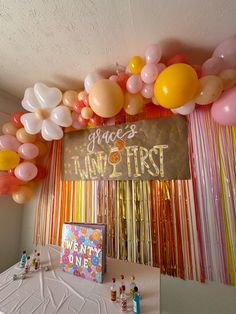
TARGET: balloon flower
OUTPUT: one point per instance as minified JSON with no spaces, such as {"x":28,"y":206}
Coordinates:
{"x":46,"y":115}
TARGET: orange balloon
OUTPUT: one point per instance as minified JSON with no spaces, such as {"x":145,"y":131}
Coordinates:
{"x":106,"y":98}
{"x":22,"y":195}
{"x":43,"y":148}
{"x":133,"y":103}
{"x":9,"y":129}
{"x":69,"y":97}
{"x":25,"y":137}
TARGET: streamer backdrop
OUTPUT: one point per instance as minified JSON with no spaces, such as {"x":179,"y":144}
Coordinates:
{"x":185,"y":227}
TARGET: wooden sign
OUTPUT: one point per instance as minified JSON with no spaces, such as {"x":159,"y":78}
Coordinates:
{"x":142,"y":150}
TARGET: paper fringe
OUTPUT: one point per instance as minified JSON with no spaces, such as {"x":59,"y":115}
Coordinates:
{"x":187,"y":228}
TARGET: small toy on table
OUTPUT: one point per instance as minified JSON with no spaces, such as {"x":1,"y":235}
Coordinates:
{"x":27,"y":265}
{"x":23,"y":260}
{"x":136,"y":301}
{"x":34,"y":258}
{"x":37,"y":262}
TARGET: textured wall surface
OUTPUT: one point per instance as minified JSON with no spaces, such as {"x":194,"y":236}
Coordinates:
{"x":10,"y":212}
{"x":60,"y":41}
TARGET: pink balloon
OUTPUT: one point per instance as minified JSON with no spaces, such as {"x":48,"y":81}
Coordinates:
{"x":153,"y":54}
{"x":28,"y":151}
{"x":134,"y":84}
{"x":160,"y":67}
{"x":227,"y":51}
{"x":26,"y":171}
{"x":149,"y":73}
{"x":147,"y":90}
{"x":9,"y":142}
{"x":223,"y":110}
{"x":113,"y":78}
{"x":212,"y":66}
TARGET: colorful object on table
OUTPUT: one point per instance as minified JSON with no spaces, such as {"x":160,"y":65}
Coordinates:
{"x":123,"y":301}
{"x":176,"y":85}
{"x":122,"y":284}
{"x":132,"y":286}
{"x":113,"y":290}
{"x":136,"y":301}
{"x":23,"y":260}
{"x":84,"y":250}
{"x":27,"y":265}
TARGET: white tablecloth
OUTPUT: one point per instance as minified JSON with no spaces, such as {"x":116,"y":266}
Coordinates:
{"x":55,"y":291}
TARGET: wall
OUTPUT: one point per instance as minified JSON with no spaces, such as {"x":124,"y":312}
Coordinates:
{"x":10,"y":212}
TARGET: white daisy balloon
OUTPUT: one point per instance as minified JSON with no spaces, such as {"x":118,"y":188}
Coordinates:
{"x":46,"y":115}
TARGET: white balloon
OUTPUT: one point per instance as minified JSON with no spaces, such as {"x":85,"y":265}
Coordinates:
{"x":30,"y":102}
{"x":51,"y":131}
{"x":31,"y":124}
{"x":185,"y":109}
{"x":61,"y":115}
{"x":90,"y":79}
{"x":48,"y":97}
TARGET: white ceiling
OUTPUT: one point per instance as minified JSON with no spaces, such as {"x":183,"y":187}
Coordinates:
{"x":59,"y":41}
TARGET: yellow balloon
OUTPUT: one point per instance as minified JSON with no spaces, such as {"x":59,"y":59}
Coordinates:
{"x":211,"y":87}
{"x":8,"y":159}
{"x":106,"y":98}
{"x":136,"y":64}
{"x":176,"y":85}
{"x":9,"y":129}
{"x":133,"y":104}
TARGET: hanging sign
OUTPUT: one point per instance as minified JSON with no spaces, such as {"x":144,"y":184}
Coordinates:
{"x":142,"y":150}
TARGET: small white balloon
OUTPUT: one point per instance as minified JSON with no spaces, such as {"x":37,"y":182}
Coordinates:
{"x":90,"y":79}
{"x":185,"y":109}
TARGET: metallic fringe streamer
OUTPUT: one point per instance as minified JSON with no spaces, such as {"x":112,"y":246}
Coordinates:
{"x":187,"y":228}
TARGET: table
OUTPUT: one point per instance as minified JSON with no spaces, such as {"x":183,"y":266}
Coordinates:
{"x":55,"y":291}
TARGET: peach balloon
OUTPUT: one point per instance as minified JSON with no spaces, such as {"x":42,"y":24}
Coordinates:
{"x":25,"y":137}
{"x":9,"y":129}
{"x":133,"y":104}
{"x":22,"y":195}
{"x":69,"y":97}
{"x":228,"y":78}
{"x":106,"y":98}
{"x":211,"y":87}
{"x":86,"y":113}
{"x":43,"y":148}
{"x":82,"y":95}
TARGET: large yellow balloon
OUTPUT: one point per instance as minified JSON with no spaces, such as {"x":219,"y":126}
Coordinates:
{"x":106,"y":98}
{"x":176,"y":85}
{"x":8,"y":159}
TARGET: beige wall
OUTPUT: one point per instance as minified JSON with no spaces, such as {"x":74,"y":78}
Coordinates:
{"x":10,"y":212}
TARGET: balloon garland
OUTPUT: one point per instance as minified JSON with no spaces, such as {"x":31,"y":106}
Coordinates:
{"x":174,"y":84}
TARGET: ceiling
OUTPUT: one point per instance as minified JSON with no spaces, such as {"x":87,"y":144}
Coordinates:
{"x":59,"y":41}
